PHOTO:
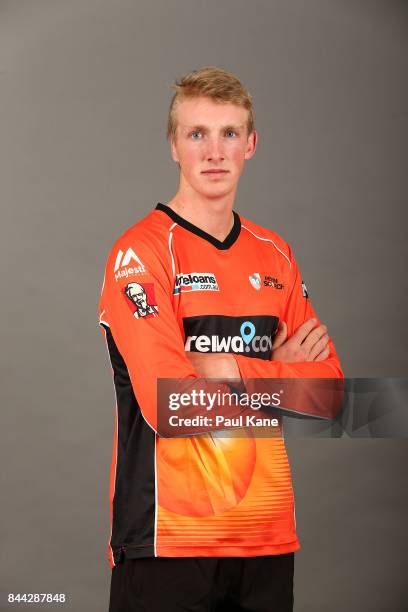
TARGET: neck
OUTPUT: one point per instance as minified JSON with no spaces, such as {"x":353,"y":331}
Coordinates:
{"x":213,"y":215}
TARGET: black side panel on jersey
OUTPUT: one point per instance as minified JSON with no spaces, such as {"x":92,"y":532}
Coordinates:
{"x":134,"y":499}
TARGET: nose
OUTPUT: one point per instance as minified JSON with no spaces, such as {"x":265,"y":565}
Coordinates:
{"x":214,"y":150}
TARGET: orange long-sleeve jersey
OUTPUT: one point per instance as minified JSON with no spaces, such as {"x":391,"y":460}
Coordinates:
{"x":170,"y":287}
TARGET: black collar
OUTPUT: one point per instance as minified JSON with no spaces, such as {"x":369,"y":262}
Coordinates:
{"x":219,"y":244}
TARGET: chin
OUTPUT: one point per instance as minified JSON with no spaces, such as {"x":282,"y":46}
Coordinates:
{"x":214,"y":191}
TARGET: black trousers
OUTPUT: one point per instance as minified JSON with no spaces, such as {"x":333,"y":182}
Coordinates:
{"x":203,"y":584}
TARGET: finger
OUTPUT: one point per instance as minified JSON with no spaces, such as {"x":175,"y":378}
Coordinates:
{"x":304,"y":330}
{"x":319,"y":347}
{"x":199,"y":362}
{"x":323,"y":355}
{"x":195,"y":357}
{"x":314,"y":336}
{"x":281,"y":335}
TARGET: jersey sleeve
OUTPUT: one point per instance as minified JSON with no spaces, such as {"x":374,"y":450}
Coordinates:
{"x":298,"y":309}
{"x":136,"y":310}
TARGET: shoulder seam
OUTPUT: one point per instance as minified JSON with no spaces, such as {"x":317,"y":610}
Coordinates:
{"x":173,"y":265}
{"x":268,"y":240}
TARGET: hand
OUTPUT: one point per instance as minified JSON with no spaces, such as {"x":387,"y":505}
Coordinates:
{"x":214,"y":365}
{"x":308,"y":343}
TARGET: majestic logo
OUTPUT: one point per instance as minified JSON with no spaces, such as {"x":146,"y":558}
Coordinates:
{"x":272,"y":281}
{"x":142,"y":300}
{"x":305,"y":292}
{"x":195,"y":281}
{"x":250,"y":335}
{"x":255,"y":280}
{"x":122,"y":262}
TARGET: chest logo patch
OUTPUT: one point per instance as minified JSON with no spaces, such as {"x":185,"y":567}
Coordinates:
{"x":250,"y":335}
{"x":195,"y":281}
{"x":255,"y":280}
{"x":272,"y":281}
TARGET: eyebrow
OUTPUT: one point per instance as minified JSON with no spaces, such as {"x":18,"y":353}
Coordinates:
{"x":205,"y":128}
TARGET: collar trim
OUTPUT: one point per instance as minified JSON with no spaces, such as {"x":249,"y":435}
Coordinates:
{"x":219,"y":244}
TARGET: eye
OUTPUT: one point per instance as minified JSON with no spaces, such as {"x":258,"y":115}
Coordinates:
{"x":196,"y":135}
{"x":230,"y":133}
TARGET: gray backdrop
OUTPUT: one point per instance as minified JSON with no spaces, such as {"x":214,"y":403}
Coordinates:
{"x":85,"y":87}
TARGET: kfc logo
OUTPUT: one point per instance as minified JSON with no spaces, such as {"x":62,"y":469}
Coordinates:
{"x":142,"y":300}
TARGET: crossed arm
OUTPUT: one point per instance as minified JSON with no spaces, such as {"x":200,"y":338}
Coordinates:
{"x":308,"y":343}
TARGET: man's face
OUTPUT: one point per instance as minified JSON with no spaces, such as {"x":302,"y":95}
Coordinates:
{"x":211,"y":145}
{"x":138,"y":295}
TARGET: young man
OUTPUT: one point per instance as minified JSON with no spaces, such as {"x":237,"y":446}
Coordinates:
{"x":195,"y":290}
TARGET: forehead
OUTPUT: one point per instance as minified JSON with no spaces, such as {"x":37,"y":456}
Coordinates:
{"x":206,"y":112}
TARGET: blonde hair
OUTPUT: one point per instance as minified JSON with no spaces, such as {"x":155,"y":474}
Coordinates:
{"x":212,"y":82}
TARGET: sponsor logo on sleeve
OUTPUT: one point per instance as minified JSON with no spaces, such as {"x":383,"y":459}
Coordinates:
{"x":141,"y":299}
{"x":195,"y":281}
{"x":128,"y":264}
{"x":305,"y":292}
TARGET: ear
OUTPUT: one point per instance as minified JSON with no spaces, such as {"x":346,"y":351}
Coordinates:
{"x":251,"y":144}
{"x":173,"y":146}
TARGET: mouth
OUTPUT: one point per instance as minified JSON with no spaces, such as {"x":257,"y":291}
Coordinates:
{"x":215,"y":172}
